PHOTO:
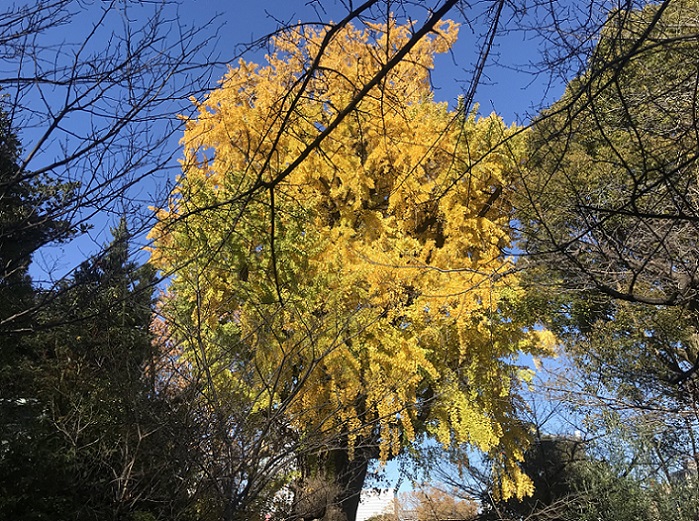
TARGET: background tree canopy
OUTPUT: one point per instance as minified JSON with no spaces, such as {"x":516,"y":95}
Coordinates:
{"x":612,"y":192}
{"x":609,"y":215}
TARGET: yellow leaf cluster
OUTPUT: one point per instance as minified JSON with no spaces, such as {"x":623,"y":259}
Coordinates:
{"x":366,"y":291}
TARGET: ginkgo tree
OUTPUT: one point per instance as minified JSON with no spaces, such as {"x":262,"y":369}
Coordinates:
{"x":364,"y":298}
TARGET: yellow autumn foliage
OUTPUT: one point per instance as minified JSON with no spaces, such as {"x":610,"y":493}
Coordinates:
{"x":365,"y":292}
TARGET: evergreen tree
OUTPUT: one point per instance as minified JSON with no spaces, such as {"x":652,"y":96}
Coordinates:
{"x":609,"y":212}
{"x":95,"y":439}
{"x":570,"y":485}
{"x":30,"y":217}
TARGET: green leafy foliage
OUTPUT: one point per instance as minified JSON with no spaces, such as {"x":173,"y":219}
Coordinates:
{"x":31,"y":216}
{"x":572,"y":486}
{"x":609,"y":210}
{"x":610,"y":200}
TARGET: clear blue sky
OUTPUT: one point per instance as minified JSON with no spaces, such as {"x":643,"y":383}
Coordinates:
{"x":503,"y":89}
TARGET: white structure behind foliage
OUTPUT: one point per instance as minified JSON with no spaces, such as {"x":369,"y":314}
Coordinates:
{"x":373,"y":503}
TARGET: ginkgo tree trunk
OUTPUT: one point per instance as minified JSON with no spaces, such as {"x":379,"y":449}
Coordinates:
{"x":363,"y":297}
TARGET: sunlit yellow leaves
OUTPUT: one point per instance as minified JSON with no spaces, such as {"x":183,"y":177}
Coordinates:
{"x":361,"y":293}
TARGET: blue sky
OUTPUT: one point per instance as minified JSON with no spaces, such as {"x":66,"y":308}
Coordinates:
{"x":505,"y":87}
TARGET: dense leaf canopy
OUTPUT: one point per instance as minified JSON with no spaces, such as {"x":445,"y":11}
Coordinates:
{"x":366,"y":293}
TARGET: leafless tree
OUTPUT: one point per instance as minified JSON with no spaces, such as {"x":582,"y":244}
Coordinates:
{"x":92,"y":90}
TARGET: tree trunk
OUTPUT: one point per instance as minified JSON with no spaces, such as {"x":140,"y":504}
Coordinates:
{"x":332,"y":485}
{"x":350,"y":475}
